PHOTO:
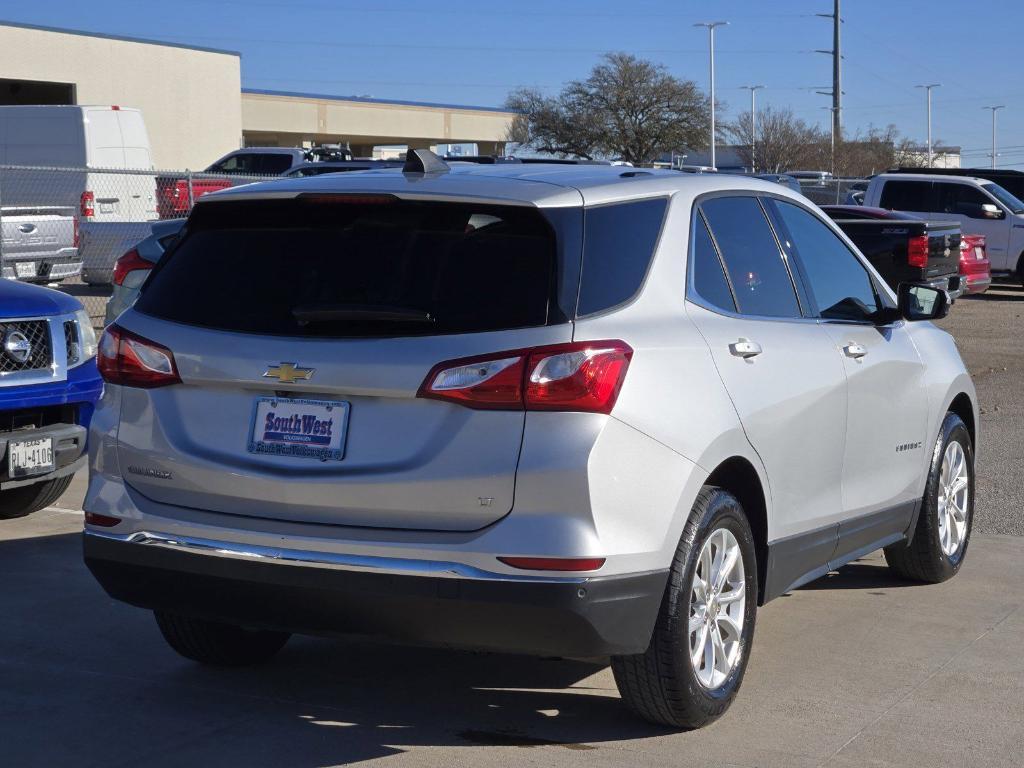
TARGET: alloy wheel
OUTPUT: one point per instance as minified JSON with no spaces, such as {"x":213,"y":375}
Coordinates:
{"x":717,"y":608}
{"x":954,"y":495}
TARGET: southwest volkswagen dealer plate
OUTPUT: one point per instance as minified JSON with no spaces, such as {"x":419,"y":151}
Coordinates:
{"x":29,"y":457}
{"x":312,"y":429}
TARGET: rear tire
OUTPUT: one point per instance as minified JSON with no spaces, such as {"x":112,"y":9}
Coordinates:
{"x":663,"y":685}
{"x":19,"y":502}
{"x":939,"y":544}
{"x":217,"y":644}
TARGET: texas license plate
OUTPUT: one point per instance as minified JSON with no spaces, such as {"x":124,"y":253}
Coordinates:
{"x":25,"y":269}
{"x":30,"y":457}
{"x":312,"y":429}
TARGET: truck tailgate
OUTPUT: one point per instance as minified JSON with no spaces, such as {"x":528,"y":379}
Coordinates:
{"x":36,"y":237}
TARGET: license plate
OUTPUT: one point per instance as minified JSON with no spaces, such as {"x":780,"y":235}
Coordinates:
{"x":25,"y":269}
{"x":30,"y":457}
{"x":313,"y":429}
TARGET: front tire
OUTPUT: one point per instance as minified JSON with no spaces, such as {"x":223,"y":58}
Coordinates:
{"x":698,"y":652}
{"x":939,"y":544}
{"x":217,"y":644}
{"x":19,"y":502}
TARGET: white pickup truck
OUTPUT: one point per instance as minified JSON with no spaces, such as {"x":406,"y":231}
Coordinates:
{"x":39,"y":244}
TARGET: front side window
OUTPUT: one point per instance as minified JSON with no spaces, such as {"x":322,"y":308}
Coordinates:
{"x":1005,"y":197}
{"x":759,"y":276}
{"x":839,"y":283}
{"x":959,"y":199}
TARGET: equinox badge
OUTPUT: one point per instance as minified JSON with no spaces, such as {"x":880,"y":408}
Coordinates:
{"x":288,"y":373}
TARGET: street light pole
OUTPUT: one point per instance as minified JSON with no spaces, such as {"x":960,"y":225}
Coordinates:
{"x":753,"y":122}
{"x":928,"y":90}
{"x":711,"y":54}
{"x":994,"y":110}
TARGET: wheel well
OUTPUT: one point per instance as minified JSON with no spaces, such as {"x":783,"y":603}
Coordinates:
{"x":738,"y":477}
{"x":963,"y":408}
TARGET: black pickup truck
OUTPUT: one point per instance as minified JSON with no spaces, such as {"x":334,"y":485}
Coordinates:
{"x":902,"y":247}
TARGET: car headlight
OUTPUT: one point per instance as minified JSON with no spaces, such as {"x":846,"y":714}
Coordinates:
{"x":83,"y":346}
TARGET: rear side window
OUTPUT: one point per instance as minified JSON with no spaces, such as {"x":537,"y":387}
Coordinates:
{"x":709,"y":279}
{"x":618,"y":244}
{"x":359,"y":266}
{"x":907,"y":196}
{"x":752,"y":257}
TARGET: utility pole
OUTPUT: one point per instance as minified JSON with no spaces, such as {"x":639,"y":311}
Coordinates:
{"x":832,"y":170}
{"x":928,"y":90}
{"x":711,"y":52}
{"x":994,"y":110}
{"x":753,"y":122}
{"x":837,"y":73}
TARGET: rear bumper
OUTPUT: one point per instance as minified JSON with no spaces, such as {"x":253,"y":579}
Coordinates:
{"x":978,"y":283}
{"x":42,"y":269}
{"x":580,"y":617}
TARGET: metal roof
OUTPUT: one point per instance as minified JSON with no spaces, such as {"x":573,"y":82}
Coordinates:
{"x":369,"y":100}
{"x":541,"y":185}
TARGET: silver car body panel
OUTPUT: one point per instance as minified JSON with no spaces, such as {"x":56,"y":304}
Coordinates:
{"x":561,"y":484}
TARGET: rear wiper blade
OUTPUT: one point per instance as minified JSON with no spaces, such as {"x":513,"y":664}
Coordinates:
{"x":326,"y":313}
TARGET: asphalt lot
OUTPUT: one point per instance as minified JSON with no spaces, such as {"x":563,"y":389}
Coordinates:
{"x":855,"y":669}
{"x":987,"y":329}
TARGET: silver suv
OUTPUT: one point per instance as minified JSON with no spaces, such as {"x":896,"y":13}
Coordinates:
{"x":570,"y":411}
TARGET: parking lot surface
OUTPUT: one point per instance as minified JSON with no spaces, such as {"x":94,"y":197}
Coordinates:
{"x":855,"y":669}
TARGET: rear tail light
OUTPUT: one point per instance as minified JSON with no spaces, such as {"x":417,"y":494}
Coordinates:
{"x":127,"y":359}
{"x":78,"y":233}
{"x":917,"y":251}
{"x":554,"y":563}
{"x":129,"y":262}
{"x":87,"y":204}
{"x":580,"y":376}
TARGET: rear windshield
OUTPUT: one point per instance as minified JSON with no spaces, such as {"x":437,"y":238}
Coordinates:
{"x":360,"y":266}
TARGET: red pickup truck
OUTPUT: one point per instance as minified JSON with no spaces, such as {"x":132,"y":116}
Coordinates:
{"x":174,"y":199}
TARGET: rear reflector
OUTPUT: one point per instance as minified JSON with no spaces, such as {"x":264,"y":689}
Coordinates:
{"x":581,"y":376}
{"x":917,"y":251}
{"x":132,"y":361}
{"x":103,"y":521}
{"x":554,"y":563}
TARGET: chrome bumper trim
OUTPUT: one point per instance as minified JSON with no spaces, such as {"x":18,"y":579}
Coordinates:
{"x":305,"y":558}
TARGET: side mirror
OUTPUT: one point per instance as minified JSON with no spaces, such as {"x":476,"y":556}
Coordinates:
{"x":922,"y":302}
{"x":992,"y":211}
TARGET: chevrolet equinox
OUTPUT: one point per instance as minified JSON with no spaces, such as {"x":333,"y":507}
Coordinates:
{"x":559,"y":410}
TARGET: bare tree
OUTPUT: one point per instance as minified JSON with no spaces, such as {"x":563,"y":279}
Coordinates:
{"x":783,"y":141}
{"x":627,"y":108}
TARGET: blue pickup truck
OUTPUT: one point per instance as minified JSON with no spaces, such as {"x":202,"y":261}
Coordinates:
{"x":49,"y":386}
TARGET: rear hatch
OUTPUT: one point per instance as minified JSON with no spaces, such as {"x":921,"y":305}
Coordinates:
{"x":302,"y":330}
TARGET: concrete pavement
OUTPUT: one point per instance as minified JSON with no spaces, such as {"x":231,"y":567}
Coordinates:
{"x":856,"y":669}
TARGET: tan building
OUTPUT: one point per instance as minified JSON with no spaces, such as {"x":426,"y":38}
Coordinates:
{"x":195,"y":109}
{"x":279,"y":118}
{"x":189,"y":97}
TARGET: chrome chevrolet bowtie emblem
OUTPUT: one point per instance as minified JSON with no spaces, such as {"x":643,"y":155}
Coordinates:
{"x":287,"y":373}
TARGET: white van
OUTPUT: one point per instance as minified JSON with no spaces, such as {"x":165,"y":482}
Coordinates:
{"x":982,"y":207}
{"x":98,"y":140}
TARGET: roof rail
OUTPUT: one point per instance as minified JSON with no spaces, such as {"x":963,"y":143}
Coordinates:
{"x":424,"y":161}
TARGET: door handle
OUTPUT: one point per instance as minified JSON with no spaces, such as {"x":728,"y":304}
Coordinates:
{"x":854,"y":350}
{"x":745,"y":348}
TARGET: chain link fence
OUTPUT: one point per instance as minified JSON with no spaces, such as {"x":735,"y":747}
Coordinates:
{"x":66,"y":227}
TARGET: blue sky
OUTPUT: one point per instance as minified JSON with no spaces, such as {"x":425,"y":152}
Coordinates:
{"x":473,"y":52}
